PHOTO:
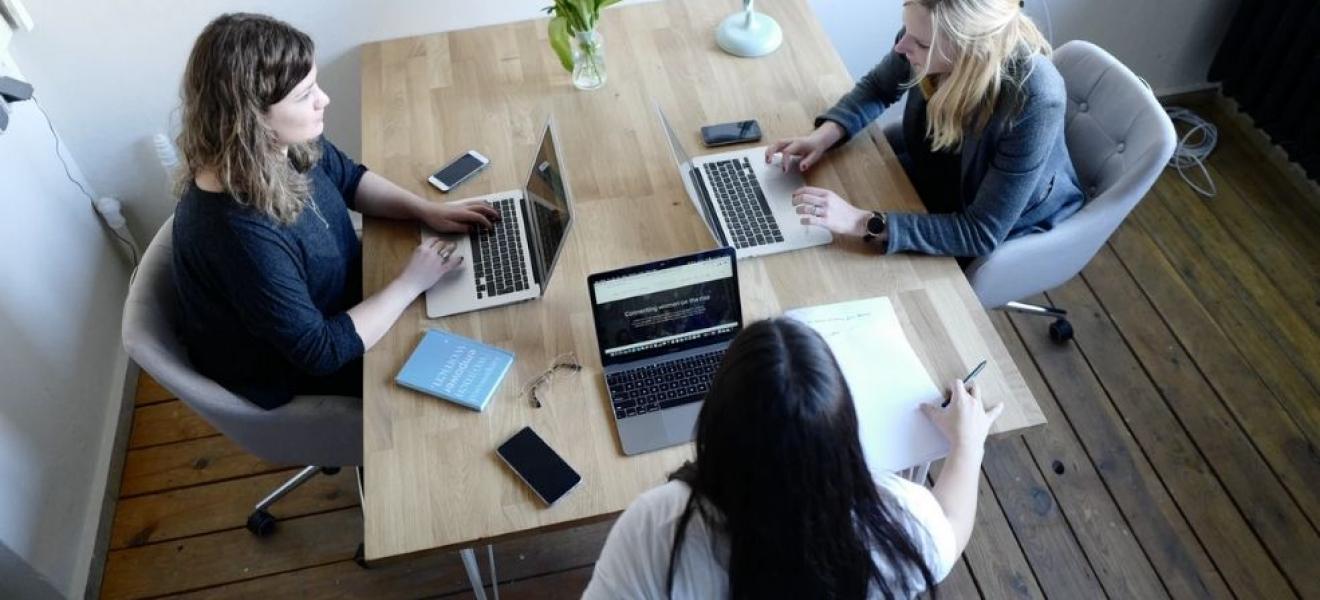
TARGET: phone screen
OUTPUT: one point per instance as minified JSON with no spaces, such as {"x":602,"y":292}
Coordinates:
{"x":454,"y":172}
{"x":538,"y":465}
{"x":731,"y":133}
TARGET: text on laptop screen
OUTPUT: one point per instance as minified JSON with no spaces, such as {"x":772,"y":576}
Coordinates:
{"x":651,"y":310}
{"x":547,"y":203}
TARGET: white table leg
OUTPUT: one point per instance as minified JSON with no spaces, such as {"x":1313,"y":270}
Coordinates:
{"x":474,"y":572}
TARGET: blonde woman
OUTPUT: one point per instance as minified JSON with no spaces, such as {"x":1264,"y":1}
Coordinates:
{"x":982,"y":136}
{"x":266,"y":263}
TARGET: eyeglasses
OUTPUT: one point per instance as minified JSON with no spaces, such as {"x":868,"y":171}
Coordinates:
{"x":563,"y":362}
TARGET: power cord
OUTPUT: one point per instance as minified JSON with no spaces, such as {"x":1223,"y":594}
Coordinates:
{"x":1192,"y":151}
{"x":128,"y":244}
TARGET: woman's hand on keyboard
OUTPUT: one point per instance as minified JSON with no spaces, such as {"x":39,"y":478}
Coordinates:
{"x":430,"y":261}
{"x":458,"y":218}
{"x":806,"y":149}
{"x":824,"y":208}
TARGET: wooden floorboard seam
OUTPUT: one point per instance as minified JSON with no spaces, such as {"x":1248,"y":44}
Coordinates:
{"x":278,"y":520}
{"x":173,"y":442}
{"x":1247,"y":321}
{"x":1112,"y":498}
{"x":1163,"y":478}
{"x":209,"y":482}
{"x":1255,"y":446}
{"x":174,"y":593}
{"x":1072,"y":530}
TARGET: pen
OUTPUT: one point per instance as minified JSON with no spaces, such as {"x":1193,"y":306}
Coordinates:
{"x":966,"y":380}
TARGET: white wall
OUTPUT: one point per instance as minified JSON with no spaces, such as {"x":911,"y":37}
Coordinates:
{"x":1168,"y":42}
{"x":111,"y":69}
{"x":111,"y":72}
{"x":62,"y":366}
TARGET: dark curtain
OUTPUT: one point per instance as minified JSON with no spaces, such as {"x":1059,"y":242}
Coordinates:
{"x":1270,"y":63}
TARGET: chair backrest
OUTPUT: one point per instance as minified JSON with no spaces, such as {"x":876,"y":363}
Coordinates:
{"x":1119,"y":139}
{"x":310,"y":430}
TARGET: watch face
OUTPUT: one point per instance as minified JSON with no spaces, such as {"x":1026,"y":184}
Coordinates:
{"x":875,"y":225}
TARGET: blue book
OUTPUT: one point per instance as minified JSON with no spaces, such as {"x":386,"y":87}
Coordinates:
{"x":455,"y":368}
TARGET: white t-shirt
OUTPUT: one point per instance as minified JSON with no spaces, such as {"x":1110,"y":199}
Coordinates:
{"x":635,"y":560}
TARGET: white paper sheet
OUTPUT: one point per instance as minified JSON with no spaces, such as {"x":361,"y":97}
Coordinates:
{"x":887,"y":380}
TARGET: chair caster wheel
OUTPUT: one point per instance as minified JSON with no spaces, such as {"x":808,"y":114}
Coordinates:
{"x":1061,"y":331}
{"x":360,"y":557}
{"x":261,"y":523}
{"x":329,"y":470}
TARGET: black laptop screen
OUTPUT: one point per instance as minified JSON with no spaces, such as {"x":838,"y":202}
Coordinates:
{"x":666,"y":306}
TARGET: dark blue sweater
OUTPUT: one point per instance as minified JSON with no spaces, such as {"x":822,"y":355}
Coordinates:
{"x":263,"y":304}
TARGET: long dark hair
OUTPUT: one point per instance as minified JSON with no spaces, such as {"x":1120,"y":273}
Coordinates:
{"x":780,"y":472}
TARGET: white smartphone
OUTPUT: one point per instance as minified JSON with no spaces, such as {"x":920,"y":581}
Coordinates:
{"x":458,"y":170}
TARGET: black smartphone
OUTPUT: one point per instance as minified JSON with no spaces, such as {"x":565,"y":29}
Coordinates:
{"x":452,"y":174}
{"x":538,"y":465}
{"x":731,"y":133}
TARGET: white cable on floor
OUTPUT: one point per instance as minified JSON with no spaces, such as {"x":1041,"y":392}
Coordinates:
{"x":1194,"y":152}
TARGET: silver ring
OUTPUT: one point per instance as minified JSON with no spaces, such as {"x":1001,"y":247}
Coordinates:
{"x":817,"y":211}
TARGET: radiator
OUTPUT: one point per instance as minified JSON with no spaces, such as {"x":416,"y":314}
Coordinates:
{"x":1269,"y":63}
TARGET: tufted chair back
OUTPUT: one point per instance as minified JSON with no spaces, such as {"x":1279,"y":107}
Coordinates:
{"x":1120,"y":139}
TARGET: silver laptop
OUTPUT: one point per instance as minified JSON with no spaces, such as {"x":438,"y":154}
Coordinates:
{"x":746,"y":204}
{"x":662,"y":328}
{"x":513,"y":261}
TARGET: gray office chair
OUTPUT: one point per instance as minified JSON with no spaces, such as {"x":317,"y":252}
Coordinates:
{"x":323,"y":431}
{"x":1120,"y":139}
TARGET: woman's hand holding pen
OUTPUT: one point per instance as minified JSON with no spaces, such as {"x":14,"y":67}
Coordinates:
{"x":965,"y":420}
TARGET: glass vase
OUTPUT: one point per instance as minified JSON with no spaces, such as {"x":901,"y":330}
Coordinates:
{"x":588,"y":60}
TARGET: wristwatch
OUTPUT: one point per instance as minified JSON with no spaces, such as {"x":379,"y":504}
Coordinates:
{"x":875,"y":226}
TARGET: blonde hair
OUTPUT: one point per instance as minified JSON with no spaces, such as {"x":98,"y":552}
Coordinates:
{"x":240,"y":65}
{"x":985,"y":40}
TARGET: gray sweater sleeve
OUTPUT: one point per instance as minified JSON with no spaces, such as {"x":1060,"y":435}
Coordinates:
{"x":873,"y":93}
{"x":1017,"y":164}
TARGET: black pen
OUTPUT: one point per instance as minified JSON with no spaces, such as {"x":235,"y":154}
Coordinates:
{"x":966,"y":380}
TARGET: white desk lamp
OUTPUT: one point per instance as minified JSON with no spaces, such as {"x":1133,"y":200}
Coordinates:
{"x":748,"y":33}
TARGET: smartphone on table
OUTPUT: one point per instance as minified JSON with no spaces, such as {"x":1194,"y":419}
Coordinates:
{"x":725,"y":134}
{"x":458,"y":170}
{"x":539,"y":466}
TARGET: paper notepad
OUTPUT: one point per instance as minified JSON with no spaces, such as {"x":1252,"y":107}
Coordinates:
{"x":455,"y":368}
{"x":887,"y":380}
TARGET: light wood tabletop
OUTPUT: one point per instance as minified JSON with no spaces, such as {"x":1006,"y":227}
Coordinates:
{"x":433,"y":479}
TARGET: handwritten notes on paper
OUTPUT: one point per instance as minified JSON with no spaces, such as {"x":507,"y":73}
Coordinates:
{"x":887,"y":380}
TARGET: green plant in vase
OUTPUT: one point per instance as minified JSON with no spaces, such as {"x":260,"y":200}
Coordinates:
{"x":573,"y":36}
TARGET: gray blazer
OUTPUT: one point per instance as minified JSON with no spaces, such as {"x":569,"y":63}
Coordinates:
{"x":1016,"y":174}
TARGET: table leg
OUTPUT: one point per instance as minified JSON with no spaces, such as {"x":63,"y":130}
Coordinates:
{"x":473,"y":572}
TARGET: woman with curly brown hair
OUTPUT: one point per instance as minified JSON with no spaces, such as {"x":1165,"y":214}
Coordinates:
{"x":266,"y":262}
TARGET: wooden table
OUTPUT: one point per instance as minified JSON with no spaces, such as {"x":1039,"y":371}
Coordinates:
{"x":432,"y":477}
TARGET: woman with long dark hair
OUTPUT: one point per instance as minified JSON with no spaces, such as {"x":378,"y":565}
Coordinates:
{"x":779,"y":502}
{"x":268,"y":268}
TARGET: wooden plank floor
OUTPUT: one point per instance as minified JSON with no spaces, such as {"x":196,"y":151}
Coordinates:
{"x":1180,"y":459}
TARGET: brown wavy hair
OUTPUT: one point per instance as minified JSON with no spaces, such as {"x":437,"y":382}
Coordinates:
{"x":240,"y":65}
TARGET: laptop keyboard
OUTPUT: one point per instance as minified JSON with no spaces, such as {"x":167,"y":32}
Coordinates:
{"x":665,"y":385}
{"x":746,"y":213}
{"x":497,"y":255}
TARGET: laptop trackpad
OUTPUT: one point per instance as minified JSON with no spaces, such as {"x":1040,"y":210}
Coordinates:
{"x":681,"y":421}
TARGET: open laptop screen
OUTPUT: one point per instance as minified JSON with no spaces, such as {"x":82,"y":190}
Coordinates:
{"x":548,"y":207}
{"x":666,"y":306}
